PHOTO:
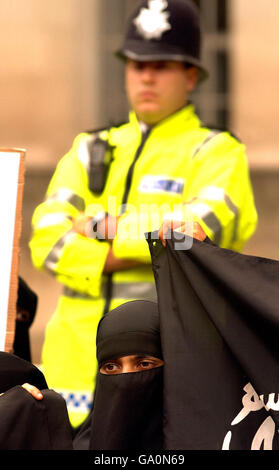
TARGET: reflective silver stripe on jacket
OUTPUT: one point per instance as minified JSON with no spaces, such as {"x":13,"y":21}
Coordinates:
{"x":205,"y":213}
{"x":121,"y":290}
{"x":50,"y":220}
{"x":66,"y":195}
{"x":235,"y":211}
{"x":54,"y":255}
{"x":213,"y":193}
{"x":212,"y":134}
{"x":214,"y":224}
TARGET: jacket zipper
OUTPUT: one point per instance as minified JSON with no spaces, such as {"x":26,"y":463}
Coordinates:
{"x":129,"y":176}
{"x":124,"y":201}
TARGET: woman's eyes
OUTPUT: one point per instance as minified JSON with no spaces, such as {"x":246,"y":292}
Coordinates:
{"x":134,"y":365}
{"x":113,"y":366}
{"x":110,"y":367}
{"x":146,"y":364}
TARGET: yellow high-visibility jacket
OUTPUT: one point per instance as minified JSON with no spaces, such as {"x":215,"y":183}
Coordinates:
{"x":180,"y":161}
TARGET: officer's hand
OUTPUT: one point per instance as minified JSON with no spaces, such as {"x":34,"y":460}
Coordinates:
{"x":192,"y":229}
{"x":34,"y":391}
{"x":106,"y":228}
{"x":80,"y":222}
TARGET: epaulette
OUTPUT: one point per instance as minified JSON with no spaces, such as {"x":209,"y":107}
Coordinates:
{"x":221,"y":129}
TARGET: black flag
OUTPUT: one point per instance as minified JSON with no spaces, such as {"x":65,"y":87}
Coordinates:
{"x":219,"y":314}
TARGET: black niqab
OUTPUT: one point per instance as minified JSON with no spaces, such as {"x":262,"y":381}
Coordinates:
{"x":128,"y":410}
{"x":130,"y":329}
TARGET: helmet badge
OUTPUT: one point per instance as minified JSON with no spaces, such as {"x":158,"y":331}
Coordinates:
{"x":152,"y":22}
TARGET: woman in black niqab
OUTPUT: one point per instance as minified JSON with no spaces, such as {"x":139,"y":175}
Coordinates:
{"x":127,"y":411}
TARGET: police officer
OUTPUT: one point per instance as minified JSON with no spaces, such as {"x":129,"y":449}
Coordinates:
{"x":117,"y":184}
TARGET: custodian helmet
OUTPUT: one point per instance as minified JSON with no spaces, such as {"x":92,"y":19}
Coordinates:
{"x":164,"y":30}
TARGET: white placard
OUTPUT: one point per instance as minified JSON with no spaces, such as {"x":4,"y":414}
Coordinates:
{"x":10,"y":164}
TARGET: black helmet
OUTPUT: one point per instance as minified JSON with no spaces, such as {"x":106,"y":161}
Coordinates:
{"x":164,"y":30}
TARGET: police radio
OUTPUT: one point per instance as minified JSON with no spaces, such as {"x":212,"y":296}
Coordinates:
{"x":100,"y":158}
